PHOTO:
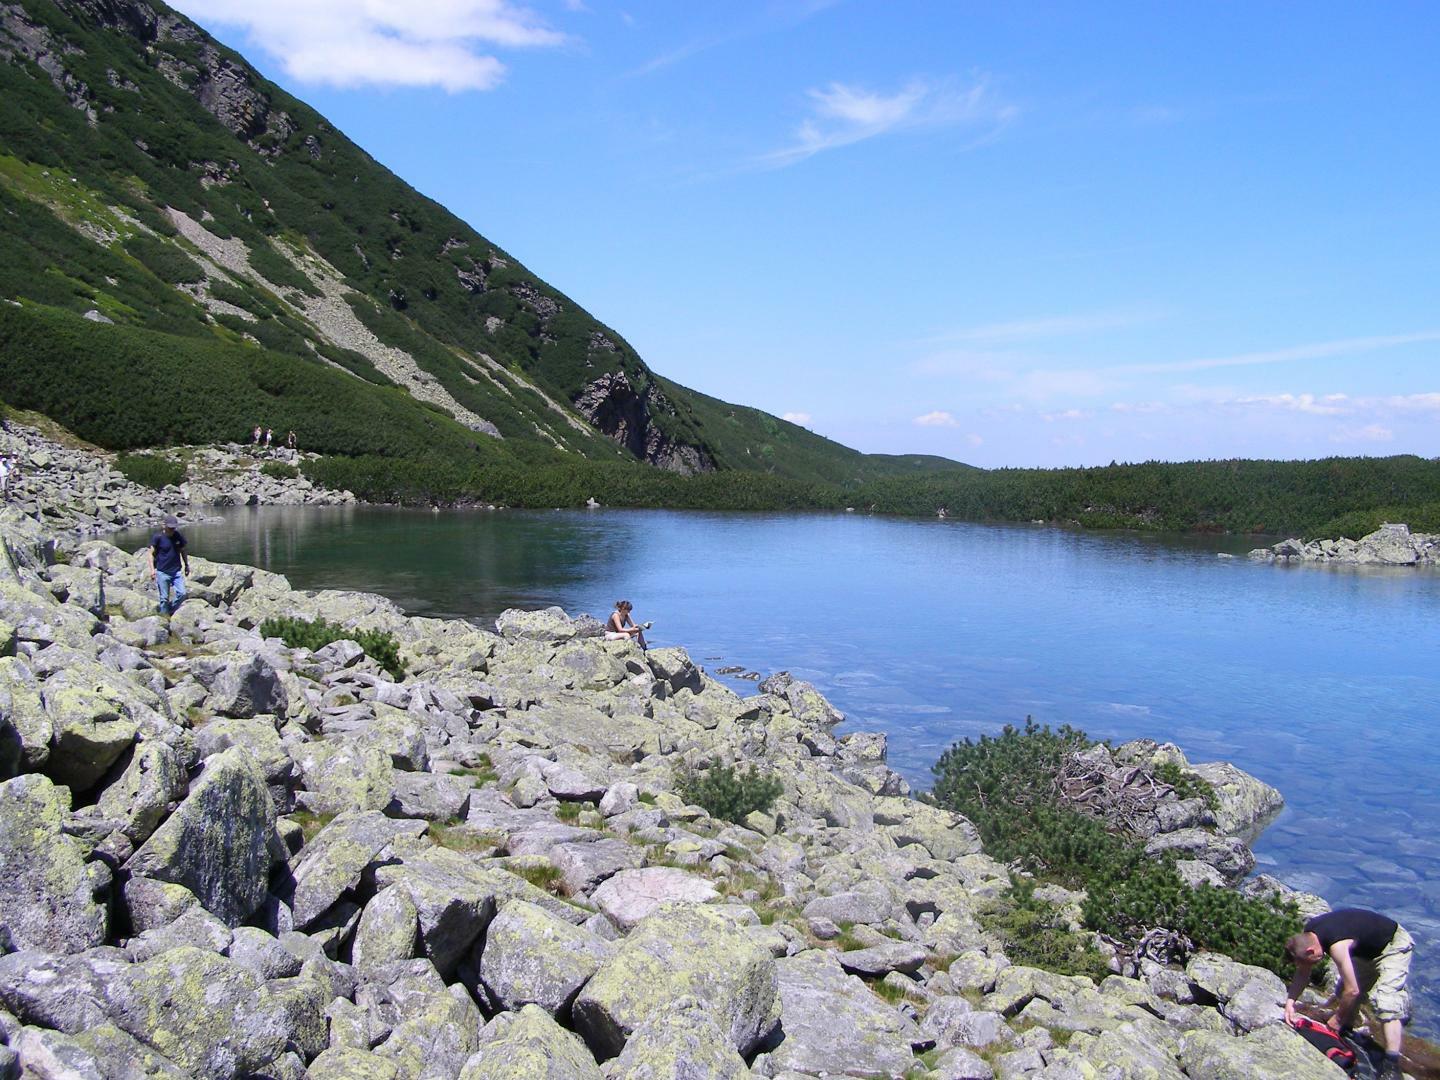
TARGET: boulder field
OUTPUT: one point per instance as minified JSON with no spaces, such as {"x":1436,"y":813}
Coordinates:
{"x":222,"y":857}
{"x":1389,"y":545}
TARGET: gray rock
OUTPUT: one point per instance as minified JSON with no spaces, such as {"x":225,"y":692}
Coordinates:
{"x":349,"y":1063}
{"x":1272,"y":1051}
{"x":333,"y":862}
{"x":1245,"y":803}
{"x":957,"y":1063}
{"x":871,"y":907}
{"x":197,"y":928}
{"x":529,"y":1045}
{"x":583,"y":866}
{"x":47,"y":891}
{"x":339,"y":775}
{"x":262,"y":954}
{"x":66,"y":993}
{"x":430,"y":796}
{"x":153,"y":779}
{"x":454,"y":901}
{"x":248,"y":686}
{"x":218,"y":843}
{"x":550,"y":624}
{"x":679,"y":1044}
{"x":877,"y":960}
{"x":1227,"y":854}
{"x":436,"y":1033}
{"x":533,"y":958}
{"x":681,"y":950}
{"x":388,"y":931}
{"x":1249,"y":997}
{"x":832,"y":1024}
{"x":630,"y":896}
{"x":100,"y":1053}
{"x":91,"y":732}
{"x":151,"y":904}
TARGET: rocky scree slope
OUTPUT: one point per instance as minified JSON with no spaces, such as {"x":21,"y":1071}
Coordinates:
{"x":223,"y":857}
{"x":171,"y":187}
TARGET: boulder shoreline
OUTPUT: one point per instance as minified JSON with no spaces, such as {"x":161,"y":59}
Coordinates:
{"x":224,"y":857}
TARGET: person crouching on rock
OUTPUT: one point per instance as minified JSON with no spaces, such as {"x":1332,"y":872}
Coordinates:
{"x":1372,"y":958}
{"x":168,"y":565}
{"x":621,"y":627}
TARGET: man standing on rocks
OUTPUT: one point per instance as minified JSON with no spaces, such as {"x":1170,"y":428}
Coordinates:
{"x":1372,"y":957}
{"x":169,"y":564}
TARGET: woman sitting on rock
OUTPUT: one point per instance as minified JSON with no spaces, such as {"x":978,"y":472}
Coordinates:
{"x":620,"y":626}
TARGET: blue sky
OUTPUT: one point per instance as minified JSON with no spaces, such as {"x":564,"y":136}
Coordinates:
{"x":1018,"y":234}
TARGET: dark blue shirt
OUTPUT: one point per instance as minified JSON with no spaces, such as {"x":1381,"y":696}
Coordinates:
{"x":167,"y":551}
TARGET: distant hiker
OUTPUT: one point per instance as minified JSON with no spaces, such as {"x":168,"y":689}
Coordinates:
{"x":290,"y":440}
{"x":620,"y":626}
{"x":4,"y":477}
{"x":1371,"y":953}
{"x":168,"y":565}
{"x":269,"y":437}
{"x":256,"y":435}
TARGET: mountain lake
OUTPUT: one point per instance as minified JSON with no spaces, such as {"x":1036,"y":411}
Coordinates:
{"x":1321,"y":681}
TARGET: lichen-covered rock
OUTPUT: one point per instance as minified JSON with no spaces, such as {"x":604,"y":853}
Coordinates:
{"x":430,"y":796}
{"x":583,"y":866}
{"x":100,"y":1052}
{"x":23,"y":713}
{"x":1243,"y":803}
{"x":1126,"y":1053}
{"x":1249,"y":997}
{"x":339,"y":854}
{"x":151,"y":904}
{"x":257,"y":737}
{"x":436,"y":1033}
{"x":387,"y":932}
{"x":681,"y":950}
{"x":454,"y":901}
{"x":678,"y":1044}
{"x":338,"y":775}
{"x":196,"y":928}
{"x":1272,"y":1051}
{"x":249,"y":685}
{"x":831,"y":1023}
{"x":877,"y":960}
{"x":631,"y":895}
{"x":943,"y":833}
{"x":533,"y":958}
{"x":349,"y":1063}
{"x":91,"y":732}
{"x":1227,"y":854}
{"x":63,"y":992}
{"x":47,"y":891}
{"x":548,"y":624}
{"x":209,"y":1015}
{"x":530,"y":1045}
{"x":218,"y":842}
{"x":141,"y":796}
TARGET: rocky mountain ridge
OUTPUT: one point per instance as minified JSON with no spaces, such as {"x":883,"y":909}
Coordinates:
{"x":224,"y":857}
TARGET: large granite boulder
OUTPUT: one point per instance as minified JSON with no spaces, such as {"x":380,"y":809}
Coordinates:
{"x":91,"y":732}
{"x":831,"y":1023}
{"x":678,"y":1044}
{"x":334,"y":860}
{"x":142,"y":795}
{"x":47,"y":890}
{"x":1272,"y":1051}
{"x":249,"y":685}
{"x":632,"y":895}
{"x":437,"y":1030}
{"x":1249,"y":997}
{"x":681,"y":950}
{"x":1227,"y":854}
{"x":64,"y":992}
{"x":530,"y":1045}
{"x":531,"y":957}
{"x":549,"y":624}
{"x":25,"y":726}
{"x":1243,"y":804}
{"x":344,"y":774}
{"x":219,"y":842}
{"x":102,"y":1052}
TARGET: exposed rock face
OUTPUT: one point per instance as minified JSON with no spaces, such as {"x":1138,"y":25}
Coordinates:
{"x":614,"y":406}
{"x":1389,"y":545}
{"x":339,"y":876}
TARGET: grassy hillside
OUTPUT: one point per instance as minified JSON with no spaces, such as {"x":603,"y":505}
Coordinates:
{"x":149,"y":175}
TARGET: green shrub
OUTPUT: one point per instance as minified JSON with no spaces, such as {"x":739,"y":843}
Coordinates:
{"x":728,"y":793}
{"x":1035,"y":934}
{"x":379,"y":645}
{"x":1006,"y":785}
{"x":149,"y":470}
{"x":164,"y":259}
{"x":1187,"y":785}
{"x":279,"y":470}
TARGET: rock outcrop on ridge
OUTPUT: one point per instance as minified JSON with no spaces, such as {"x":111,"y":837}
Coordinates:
{"x":1389,"y":545}
{"x":222,"y":857}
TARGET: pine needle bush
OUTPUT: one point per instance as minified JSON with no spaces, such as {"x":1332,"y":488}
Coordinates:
{"x":379,"y":645}
{"x":1007,"y":785}
{"x":150,"y":470}
{"x":278,"y":470}
{"x":728,"y":793}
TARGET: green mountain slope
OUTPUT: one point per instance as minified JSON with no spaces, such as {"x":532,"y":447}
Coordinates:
{"x":150,"y":180}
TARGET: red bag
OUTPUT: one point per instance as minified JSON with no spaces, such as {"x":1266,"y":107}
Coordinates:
{"x":1327,"y":1042}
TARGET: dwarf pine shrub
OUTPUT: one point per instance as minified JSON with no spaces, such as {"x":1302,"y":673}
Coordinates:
{"x":279,"y":470}
{"x":1007,"y":785}
{"x":379,"y":645}
{"x":728,"y":793}
{"x":150,"y":470}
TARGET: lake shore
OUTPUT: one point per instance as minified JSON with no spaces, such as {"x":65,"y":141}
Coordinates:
{"x":514,"y":789}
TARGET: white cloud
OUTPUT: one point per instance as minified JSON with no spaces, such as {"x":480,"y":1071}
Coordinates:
{"x":346,"y":43}
{"x":1067,"y":414}
{"x":974,"y":439}
{"x":842,"y":115}
{"x":938,"y":418}
{"x":1314,"y":351}
{"x":1140,"y":408}
{"x":1368,"y":433}
{"x":1052,"y":326}
{"x":801,"y":418}
{"x":1329,"y":405}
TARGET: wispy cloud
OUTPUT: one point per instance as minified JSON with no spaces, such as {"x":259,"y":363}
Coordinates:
{"x":801,"y":418}
{"x":440,"y":43}
{"x":1329,"y":405}
{"x":938,"y":418}
{"x":842,"y":114}
{"x":1050,"y":326}
{"x":779,"y":15}
{"x":1319,"y":350}
{"x":1368,"y":433}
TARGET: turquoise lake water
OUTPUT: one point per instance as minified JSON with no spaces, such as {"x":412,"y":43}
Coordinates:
{"x":1322,"y":682}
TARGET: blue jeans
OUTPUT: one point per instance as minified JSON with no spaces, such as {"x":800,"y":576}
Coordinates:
{"x":172,"y":590}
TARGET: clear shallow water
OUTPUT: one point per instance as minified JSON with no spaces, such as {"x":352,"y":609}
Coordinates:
{"x":1322,"y":682}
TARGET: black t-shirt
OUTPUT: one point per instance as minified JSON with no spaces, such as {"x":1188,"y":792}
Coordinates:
{"x":1370,"y":931}
{"x":167,"y":551}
